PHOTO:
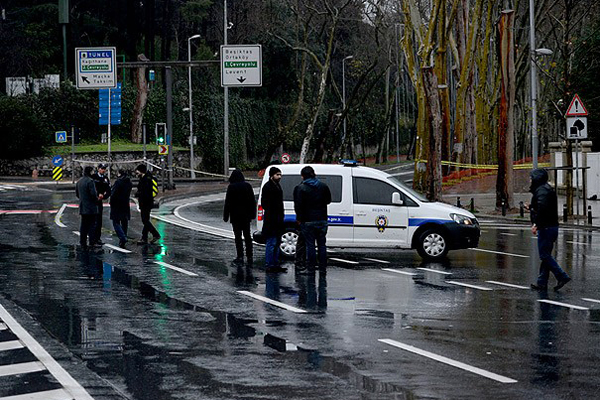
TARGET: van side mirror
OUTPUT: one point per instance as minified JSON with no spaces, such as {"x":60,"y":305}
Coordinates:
{"x":396,"y":199}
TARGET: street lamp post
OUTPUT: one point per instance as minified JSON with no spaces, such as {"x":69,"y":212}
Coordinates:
{"x":344,"y":94}
{"x":534,"y":134}
{"x":192,"y":171}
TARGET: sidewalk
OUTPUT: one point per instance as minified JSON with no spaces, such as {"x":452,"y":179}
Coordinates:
{"x":483,"y":192}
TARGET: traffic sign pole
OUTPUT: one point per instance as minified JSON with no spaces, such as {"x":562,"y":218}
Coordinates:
{"x":109,"y":101}
{"x":72,"y":154}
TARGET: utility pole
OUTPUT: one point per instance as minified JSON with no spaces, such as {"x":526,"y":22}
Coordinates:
{"x":226,"y":103}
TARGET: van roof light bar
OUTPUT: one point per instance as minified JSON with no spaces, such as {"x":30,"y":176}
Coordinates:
{"x":349,"y":163}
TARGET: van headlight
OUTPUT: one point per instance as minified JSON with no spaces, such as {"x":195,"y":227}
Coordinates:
{"x":461,"y":219}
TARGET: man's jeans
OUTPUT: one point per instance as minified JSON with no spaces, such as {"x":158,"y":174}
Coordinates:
{"x":272,"y":251}
{"x":546,"y":239}
{"x":315,"y":231}
{"x":120,"y":226}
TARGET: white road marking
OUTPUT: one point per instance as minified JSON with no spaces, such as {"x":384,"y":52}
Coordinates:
{"x":183,"y":271}
{"x":21,"y":368}
{"x":376,"y":260}
{"x":590,"y":300}
{"x":272,"y":302}
{"x":3,"y":326}
{"x":77,"y":233}
{"x":57,"y":394}
{"x":344,"y":261}
{"x":508,"y":234}
{"x":449,"y":361}
{"x":572,"y":242}
{"x":110,"y":246}
{"x":58,"y":216}
{"x":508,"y":285}
{"x":468,"y":285}
{"x":70,"y":384}
{"x":435,"y":271}
{"x":558,"y":303}
{"x":398,"y":271}
{"x":11,"y":345}
{"x":499,"y":252}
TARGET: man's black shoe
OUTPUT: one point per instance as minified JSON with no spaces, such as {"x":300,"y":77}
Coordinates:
{"x":539,"y":288}
{"x":561,"y":284}
{"x":142,"y":242}
{"x":122,"y":243}
{"x":275,"y":269}
{"x":154,"y":239}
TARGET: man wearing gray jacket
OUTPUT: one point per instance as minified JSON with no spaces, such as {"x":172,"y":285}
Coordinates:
{"x":88,"y":207}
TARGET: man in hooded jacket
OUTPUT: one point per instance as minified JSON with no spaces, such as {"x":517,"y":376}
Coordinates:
{"x":240,"y":209}
{"x":311,"y":198}
{"x":544,"y":219}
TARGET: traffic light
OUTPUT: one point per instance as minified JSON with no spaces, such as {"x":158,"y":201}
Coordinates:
{"x":160,"y":131}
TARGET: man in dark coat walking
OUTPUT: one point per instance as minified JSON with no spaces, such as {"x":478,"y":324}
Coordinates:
{"x":88,"y":207}
{"x":103,"y":188}
{"x":240,"y":209}
{"x":120,"y":212}
{"x":544,"y":219}
{"x":146,"y":200}
{"x":311,"y":198}
{"x":273,"y":228}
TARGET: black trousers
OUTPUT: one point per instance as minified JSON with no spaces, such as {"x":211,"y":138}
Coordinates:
{"x":240,"y":228}
{"x":148,"y":227}
{"x":86,"y":229}
{"x":98,"y":227}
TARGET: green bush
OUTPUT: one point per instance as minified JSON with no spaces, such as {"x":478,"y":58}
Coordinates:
{"x":22,"y":129}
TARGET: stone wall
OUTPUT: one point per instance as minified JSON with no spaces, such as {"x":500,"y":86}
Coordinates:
{"x":125,"y":160}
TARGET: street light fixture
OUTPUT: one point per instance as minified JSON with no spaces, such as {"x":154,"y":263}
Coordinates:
{"x":344,"y":94}
{"x":192,"y":171}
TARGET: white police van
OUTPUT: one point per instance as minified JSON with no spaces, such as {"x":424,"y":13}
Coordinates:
{"x":372,"y":209}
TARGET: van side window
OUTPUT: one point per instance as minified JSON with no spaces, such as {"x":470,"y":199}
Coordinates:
{"x":289,"y":182}
{"x":373,"y":191}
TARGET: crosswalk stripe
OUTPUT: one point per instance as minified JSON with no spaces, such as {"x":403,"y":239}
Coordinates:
{"x":11,"y":345}
{"x":21,"y":368}
{"x":558,"y":303}
{"x":272,"y":302}
{"x":468,"y":285}
{"x":57,"y":394}
{"x":174,"y":268}
{"x":507,"y":284}
{"x":398,"y":272}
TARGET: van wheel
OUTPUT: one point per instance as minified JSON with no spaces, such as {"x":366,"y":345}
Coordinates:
{"x":432,"y":245}
{"x":289,"y":240}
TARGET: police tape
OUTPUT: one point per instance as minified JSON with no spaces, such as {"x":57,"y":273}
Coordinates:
{"x":212,"y":174}
{"x":485,"y":166}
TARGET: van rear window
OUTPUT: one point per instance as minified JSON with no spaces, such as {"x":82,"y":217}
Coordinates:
{"x":289,"y":182}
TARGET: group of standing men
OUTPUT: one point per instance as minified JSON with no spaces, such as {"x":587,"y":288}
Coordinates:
{"x":311,"y":198}
{"x":93,"y":189}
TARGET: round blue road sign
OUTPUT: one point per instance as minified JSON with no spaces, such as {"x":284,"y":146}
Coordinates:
{"x":57,"y":161}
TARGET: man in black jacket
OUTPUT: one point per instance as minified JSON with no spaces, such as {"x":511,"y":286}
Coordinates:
{"x":146,"y":200}
{"x":240,"y":209}
{"x":103,"y":188}
{"x":88,"y":207}
{"x":120,"y":212}
{"x":544,"y":219}
{"x":311,"y":198}
{"x":273,"y":227}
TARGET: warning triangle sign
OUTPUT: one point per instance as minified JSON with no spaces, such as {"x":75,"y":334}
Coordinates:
{"x":576,"y":108}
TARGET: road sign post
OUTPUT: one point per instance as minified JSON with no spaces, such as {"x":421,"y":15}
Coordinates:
{"x":576,"y":116}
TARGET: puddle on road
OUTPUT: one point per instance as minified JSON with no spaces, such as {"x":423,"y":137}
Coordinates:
{"x":149,"y":366}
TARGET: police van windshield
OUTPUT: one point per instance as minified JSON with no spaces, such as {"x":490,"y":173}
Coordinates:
{"x":409,"y":191}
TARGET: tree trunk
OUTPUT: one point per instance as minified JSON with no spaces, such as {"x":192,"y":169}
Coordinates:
{"x":140,"y":102}
{"x":504,"y":181}
{"x":434,"y":166}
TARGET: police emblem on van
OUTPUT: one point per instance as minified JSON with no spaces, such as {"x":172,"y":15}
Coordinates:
{"x":381,"y":222}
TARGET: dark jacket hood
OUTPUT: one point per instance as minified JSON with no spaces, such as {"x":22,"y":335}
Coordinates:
{"x":538,"y":178}
{"x":311,"y":181}
{"x":236,"y":176}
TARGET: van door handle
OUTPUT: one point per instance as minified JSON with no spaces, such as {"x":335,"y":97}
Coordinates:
{"x":344,"y":212}
{"x":361,"y":214}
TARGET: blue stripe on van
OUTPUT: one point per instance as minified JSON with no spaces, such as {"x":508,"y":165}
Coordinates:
{"x":422,"y":221}
{"x":332,"y":219}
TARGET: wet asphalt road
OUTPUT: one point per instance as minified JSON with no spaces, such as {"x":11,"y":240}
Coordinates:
{"x":126,"y":325}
